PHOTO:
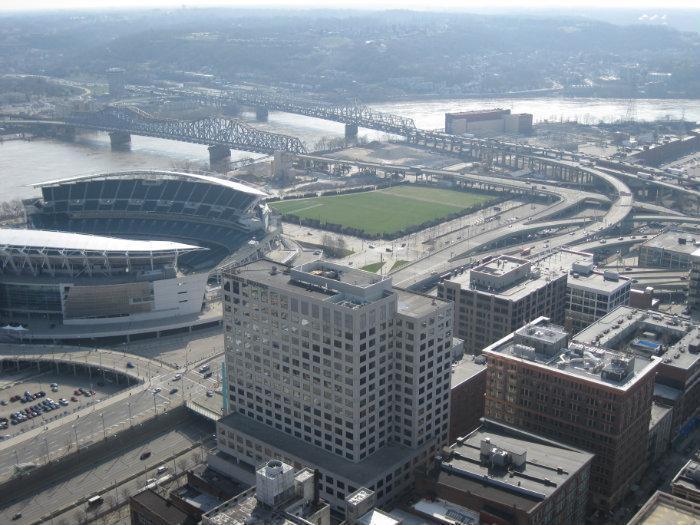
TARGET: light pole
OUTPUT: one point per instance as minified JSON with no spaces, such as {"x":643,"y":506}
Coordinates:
{"x":48,"y":455}
{"x":75,"y":429}
{"x":129,"y":405}
{"x":104,"y":430}
{"x":155,"y":409}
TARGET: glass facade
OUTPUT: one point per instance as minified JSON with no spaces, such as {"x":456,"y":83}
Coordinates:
{"x":30,"y":298}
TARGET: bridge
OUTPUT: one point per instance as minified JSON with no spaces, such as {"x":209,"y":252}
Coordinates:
{"x":354,"y":116}
{"x":220,"y":134}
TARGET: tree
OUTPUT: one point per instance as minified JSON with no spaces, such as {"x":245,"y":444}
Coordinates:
{"x":334,"y":247}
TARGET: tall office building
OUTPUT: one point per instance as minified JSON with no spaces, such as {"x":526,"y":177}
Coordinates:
{"x":332,"y":368}
{"x":579,"y":394}
{"x":497,"y":297}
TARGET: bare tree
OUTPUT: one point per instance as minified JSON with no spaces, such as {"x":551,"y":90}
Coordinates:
{"x":126,"y":493}
{"x":334,"y":247}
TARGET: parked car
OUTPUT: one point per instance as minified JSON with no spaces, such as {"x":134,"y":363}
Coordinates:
{"x":145,"y":455}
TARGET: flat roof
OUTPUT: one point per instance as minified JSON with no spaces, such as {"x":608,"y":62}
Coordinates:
{"x":245,"y":509}
{"x":617,"y":329}
{"x":162,"y":508}
{"x":163,"y":174}
{"x":668,"y":241}
{"x":284,"y":277}
{"x":585,"y":361}
{"x":665,"y":509}
{"x":362,"y":473}
{"x":377,"y":517}
{"x":564,"y":260}
{"x":501,"y":265}
{"x":78,"y":241}
{"x":516,"y":291}
{"x":466,"y":368}
{"x":658,"y":412}
{"x":416,"y":305}
{"x":685,"y":478}
{"x":548,"y":466}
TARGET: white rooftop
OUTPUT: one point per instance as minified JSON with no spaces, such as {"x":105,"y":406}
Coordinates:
{"x":244,"y":188}
{"x":378,"y":517}
{"x":78,"y":241}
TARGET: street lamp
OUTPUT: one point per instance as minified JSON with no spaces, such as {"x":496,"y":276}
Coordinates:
{"x":129,"y":405}
{"x":155,"y":408}
{"x":104,"y":430}
{"x":75,"y":429}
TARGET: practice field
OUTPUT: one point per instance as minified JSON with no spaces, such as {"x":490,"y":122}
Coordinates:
{"x":385,"y":211}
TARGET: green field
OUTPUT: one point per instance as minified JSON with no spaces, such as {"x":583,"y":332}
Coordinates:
{"x":374,"y":267}
{"x":383,"y":211}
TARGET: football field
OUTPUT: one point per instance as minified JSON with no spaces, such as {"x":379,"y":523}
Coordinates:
{"x":386,"y":211}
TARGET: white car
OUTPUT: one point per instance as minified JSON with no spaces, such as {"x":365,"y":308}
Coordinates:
{"x":177,"y":377}
{"x":157,"y":390}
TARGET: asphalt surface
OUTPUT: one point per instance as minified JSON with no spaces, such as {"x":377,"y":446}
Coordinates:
{"x":109,"y":473}
{"x":108,"y":417}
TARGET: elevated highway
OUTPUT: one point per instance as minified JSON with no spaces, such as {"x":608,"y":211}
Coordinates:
{"x":426,"y":272}
{"x":667,"y":219}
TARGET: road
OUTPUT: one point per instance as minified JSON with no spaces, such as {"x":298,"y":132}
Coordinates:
{"x":426,"y":271}
{"x":109,"y":473}
{"x":108,"y":417}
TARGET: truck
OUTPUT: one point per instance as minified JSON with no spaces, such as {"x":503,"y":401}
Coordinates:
{"x":94,"y":501}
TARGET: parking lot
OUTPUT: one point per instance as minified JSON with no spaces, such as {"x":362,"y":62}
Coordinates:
{"x":34,"y":398}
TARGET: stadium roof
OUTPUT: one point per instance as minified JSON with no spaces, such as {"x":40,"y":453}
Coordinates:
{"x":76,"y":241}
{"x":237,"y":186}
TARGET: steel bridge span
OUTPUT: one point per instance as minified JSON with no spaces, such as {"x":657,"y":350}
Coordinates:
{"x":220,"y":134}
{"x":354,"y":116}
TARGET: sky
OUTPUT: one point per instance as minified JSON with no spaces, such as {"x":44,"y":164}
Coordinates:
{"x":18,"y":5}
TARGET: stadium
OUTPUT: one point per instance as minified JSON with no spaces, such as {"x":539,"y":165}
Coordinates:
{"x":124,"y":255}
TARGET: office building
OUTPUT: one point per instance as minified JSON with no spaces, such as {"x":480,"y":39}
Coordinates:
{"x":281,"y":496}
{"x":467,"y":395}
{"x":332,"y":368}
{"x":580,"y":394}
{"x":671,"y":249}
{"x":675,"y":340}
{"x":686,"y":484}
{"x":505,"y":475}
{"x":488,"y":122}
{"x":499,"y":296}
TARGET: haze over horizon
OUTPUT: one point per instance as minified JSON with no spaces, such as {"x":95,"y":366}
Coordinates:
{"x":21,"y":5}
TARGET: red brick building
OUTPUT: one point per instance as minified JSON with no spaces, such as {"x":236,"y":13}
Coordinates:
{"x":585,"y":396}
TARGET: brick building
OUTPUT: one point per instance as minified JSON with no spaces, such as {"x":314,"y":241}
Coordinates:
{"x":497,"y":297}
{"x":467,"y":395}
{"x":582,"y":395}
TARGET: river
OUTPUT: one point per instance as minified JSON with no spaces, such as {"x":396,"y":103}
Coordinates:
{"x":24,"y":163}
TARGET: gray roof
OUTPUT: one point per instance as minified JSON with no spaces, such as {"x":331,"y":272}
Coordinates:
{"x":53,"y":240}
{"x":618,"y":328}
{"x":549,"y":465}
{"x":363,"y":473}
{"x":668,"y":241}
{"x":465,"y":369}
